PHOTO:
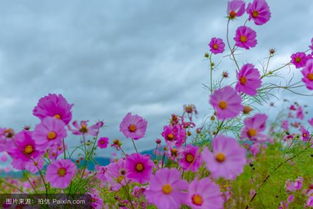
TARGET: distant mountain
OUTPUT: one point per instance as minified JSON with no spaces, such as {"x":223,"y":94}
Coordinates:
{"x":106,"y":161}
{"x":90,"y":165}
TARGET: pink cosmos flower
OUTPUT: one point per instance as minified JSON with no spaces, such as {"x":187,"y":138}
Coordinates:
{"x":285,"y":125}
{"x":245,"y":37}
{"x":139,"y":167}
{"x":311,"y":121}
{"x":117,"y":174}
{"x":227,"y":159}
{"x":290,"y":198}
{"x":307,"y":73}
{"x":235,"y":8}
{"x":292,"y":107}
{"x":299,"y":113}
{"x":49,"y":132}
{"x":6,"y":134}
{"x":167,"y":190}
{"x":204,"y":194}
{"x":305,"y":134}
{"x":174,"y":135}
{"x":190,"y":158}
{"x":34,"y":165}
{"x":60,"y":173}
{"x":217,"y":45}
{"x":55,"y":106}
{"x":133,"y":126}
{"x":103,"y":142}
{"x":102,"y":173}
{"x":309,"y":202}
{"x":249,"y":80}
{"x":83,"y":129}
{"x":311,"y":47}
{"x":255,"y":148}
{"x":259,"y":12}
{"x":96,"y":200}
{"x":55,"y":150}
{"x":294,"y":186}
{"x":23,"y":149}
{"x":254,"y":126}
{"x":299,"y":59}
{"x":226,"y":103}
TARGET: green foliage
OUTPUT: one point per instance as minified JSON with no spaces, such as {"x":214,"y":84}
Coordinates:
{"x":268,"y":174}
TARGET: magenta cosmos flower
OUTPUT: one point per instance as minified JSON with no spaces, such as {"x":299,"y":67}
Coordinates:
{"x":167,"y":190}
{"x":204,"y":194}
{"x":82,"y":128}
{"x":139,"y":167}
{"x":226,"y":103}
{"x":245,"y":37}
{"x":55,"y":106}
{"x":259,"y":12}
{"x":307,"y":73}
{"x":190,"y":158}
{"x":299,"y":59}
{"x":227,"y":159}
{"x":235,"y":8}
{"x":133,"y":126}
{"x":305,"y":134}
{"x":217,"y":45}
{"x":174,"y":135}
{"x":34,"y":165}
{"x":254,"y":126}
{"x":249,"y":80}
{"x":49,"y":132}
{"x":60,"y":173}
{"x":103,"y":142}
{"x":23,"y":149}
{"x":294,"y":186}
{"x":117,"y":174}
{"x":309,"y":202}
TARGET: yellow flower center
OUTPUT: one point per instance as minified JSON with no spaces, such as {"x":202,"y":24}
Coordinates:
{"x":189,"y":158}
{"x":255,"y":14}
{"x":61,"y":172}
{"x":57,"y":116}
{"x":139,"y":167}
{"x":243,"y":80}
{"x":243,"y":38}
{"x":83,"y":129}
{"x":220,"y":157}
{"x":28,"y":149}
{"x":132,"y":127}
{"x":252,"y":132}
{"x":167,"y":189}
{"x":298,"y":59}
{"x":223,"y":105}
{"x":215,"y":46}
{"x":310,"y":76}
{"x":232,"y":14}
{"x":52,"y":135}
{"x":170,"y":137}
{"x":197,"y":199}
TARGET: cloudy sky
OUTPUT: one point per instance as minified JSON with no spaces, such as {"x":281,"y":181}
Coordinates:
{"x":117,"y":56}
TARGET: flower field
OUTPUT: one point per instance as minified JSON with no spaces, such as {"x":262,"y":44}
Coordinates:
{"x":240,"y":157}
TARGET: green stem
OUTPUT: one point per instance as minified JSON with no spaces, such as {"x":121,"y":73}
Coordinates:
{"x":134,"y":145}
